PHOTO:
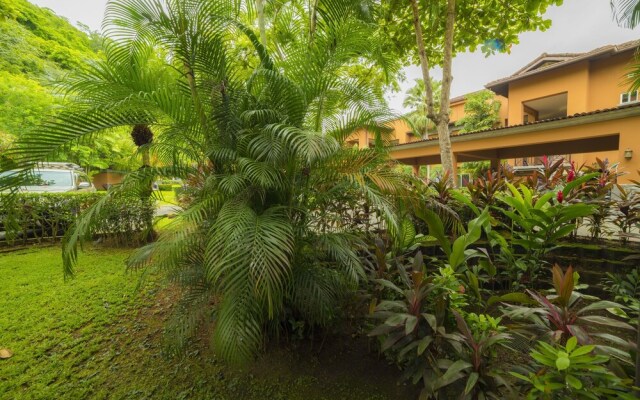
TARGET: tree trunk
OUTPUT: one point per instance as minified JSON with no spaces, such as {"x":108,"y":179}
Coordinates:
{"x":440,"y":119}
{"x":261,"y":23}
{"x":146,"y":159}
{"x":446,"y":154}
{"x":424,"y":62}
{"x":444,"y":139}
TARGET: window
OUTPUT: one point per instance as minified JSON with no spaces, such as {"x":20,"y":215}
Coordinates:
{"x":526,"y":118}
{"x":629,"y":97}
{"x":49,"y":178}
{"x":464,"y":180}
{"x":394,"y":142}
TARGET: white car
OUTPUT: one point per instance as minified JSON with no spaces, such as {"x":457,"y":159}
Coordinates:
{"x":56,"y":178}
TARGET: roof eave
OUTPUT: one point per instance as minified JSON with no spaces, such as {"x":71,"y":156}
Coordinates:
{"x":609,"y":115}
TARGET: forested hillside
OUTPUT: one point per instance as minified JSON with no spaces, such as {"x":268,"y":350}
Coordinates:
{"x":37,"y":49}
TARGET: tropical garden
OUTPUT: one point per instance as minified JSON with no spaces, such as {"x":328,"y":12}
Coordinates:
{"x":296,"y":265}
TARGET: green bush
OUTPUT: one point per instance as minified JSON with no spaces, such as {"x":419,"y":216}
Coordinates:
{"x":43,"y":216}
{"x":165,"y":187}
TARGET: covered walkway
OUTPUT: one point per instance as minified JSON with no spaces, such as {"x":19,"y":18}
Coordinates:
{"x":609,"y":133}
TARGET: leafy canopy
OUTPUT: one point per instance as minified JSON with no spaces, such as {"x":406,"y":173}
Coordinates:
{"x":259,"y":139}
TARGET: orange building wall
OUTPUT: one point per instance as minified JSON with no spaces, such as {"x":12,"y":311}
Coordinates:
{"x":103,"y":179}
{"x":457,"y":111}
{"x":400,"y":130}
{"x":607,"y":81}
{"x":573,"y":79}
{"x":504,"y":109}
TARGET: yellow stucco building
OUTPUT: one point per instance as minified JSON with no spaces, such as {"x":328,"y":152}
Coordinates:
{"x":577,"y":106}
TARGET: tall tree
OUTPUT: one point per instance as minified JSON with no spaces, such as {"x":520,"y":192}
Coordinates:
{"x":263,"y":239}
{"x":443,"y":28}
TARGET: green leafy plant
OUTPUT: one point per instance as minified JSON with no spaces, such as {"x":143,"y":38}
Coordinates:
{"x":476,"y":368}
{"x":485,"y":188}
{"x":417,"y":323}
{"x":571,"y":371}
{"x":562,"y":315}
{"x":457,"y":252}
{"x":626,"y":289}
{"x":626,"y":211}
{"x":536,"y":224}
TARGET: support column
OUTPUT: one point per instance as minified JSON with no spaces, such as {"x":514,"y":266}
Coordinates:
{"x":495,"y":164}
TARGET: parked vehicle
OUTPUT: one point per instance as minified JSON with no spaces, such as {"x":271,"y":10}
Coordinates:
{"x":56,"y":177}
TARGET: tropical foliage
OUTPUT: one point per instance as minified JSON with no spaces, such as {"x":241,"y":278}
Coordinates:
{"x":572,"y":371}
{"x":262,"y":239}
{"x":481,"y":110}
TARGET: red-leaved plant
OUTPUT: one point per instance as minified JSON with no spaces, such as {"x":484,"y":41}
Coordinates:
{"x":567,"y":313}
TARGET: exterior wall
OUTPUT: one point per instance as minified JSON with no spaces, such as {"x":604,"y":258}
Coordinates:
{"x":504,"y":110}
{"x":589,"y":159}
{"x":457,"y":112}
{"x":573,"y":79}
{"x":607,"y":81}
{"x":103,"y":179}
{"x":590,"y":85}
{"x":400,"y":131}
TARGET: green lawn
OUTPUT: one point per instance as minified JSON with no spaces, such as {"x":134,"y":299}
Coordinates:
{"x":166,"y":197}
{"x":96,"y":337}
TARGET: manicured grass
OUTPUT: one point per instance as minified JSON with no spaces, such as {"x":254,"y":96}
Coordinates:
{"x":166,"y":197}
{"x":97,"y":337}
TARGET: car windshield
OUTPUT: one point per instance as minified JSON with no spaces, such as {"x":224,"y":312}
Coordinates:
{"x":49,"y":178}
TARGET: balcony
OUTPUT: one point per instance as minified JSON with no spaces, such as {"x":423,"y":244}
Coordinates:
{"x":549,"y":107}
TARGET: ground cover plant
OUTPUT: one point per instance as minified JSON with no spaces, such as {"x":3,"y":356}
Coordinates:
{"x":99,"y":336}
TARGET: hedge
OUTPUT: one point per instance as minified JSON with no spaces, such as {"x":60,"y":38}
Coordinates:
{"x":46,"y":216}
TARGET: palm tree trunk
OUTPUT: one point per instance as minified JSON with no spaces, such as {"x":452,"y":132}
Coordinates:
{"x":146,"y":159}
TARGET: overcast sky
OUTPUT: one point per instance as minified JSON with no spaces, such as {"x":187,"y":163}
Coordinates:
{"x":578,"y":25}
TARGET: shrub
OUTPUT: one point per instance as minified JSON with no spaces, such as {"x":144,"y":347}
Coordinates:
{"x":43,"y":216}
{"x":165,"y":187}
{"x":563,"y":315}
{"x":572,"y":372}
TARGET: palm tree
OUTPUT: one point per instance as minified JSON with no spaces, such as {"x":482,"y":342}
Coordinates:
{"x":415,"y":99}
{"x":264,"y":238}
{"x":626,"y":12}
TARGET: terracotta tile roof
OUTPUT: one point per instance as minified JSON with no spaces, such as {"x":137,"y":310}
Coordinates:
{"x":557,"y":57}
{"x":578,"y":115}
{"x":570,"y":58}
